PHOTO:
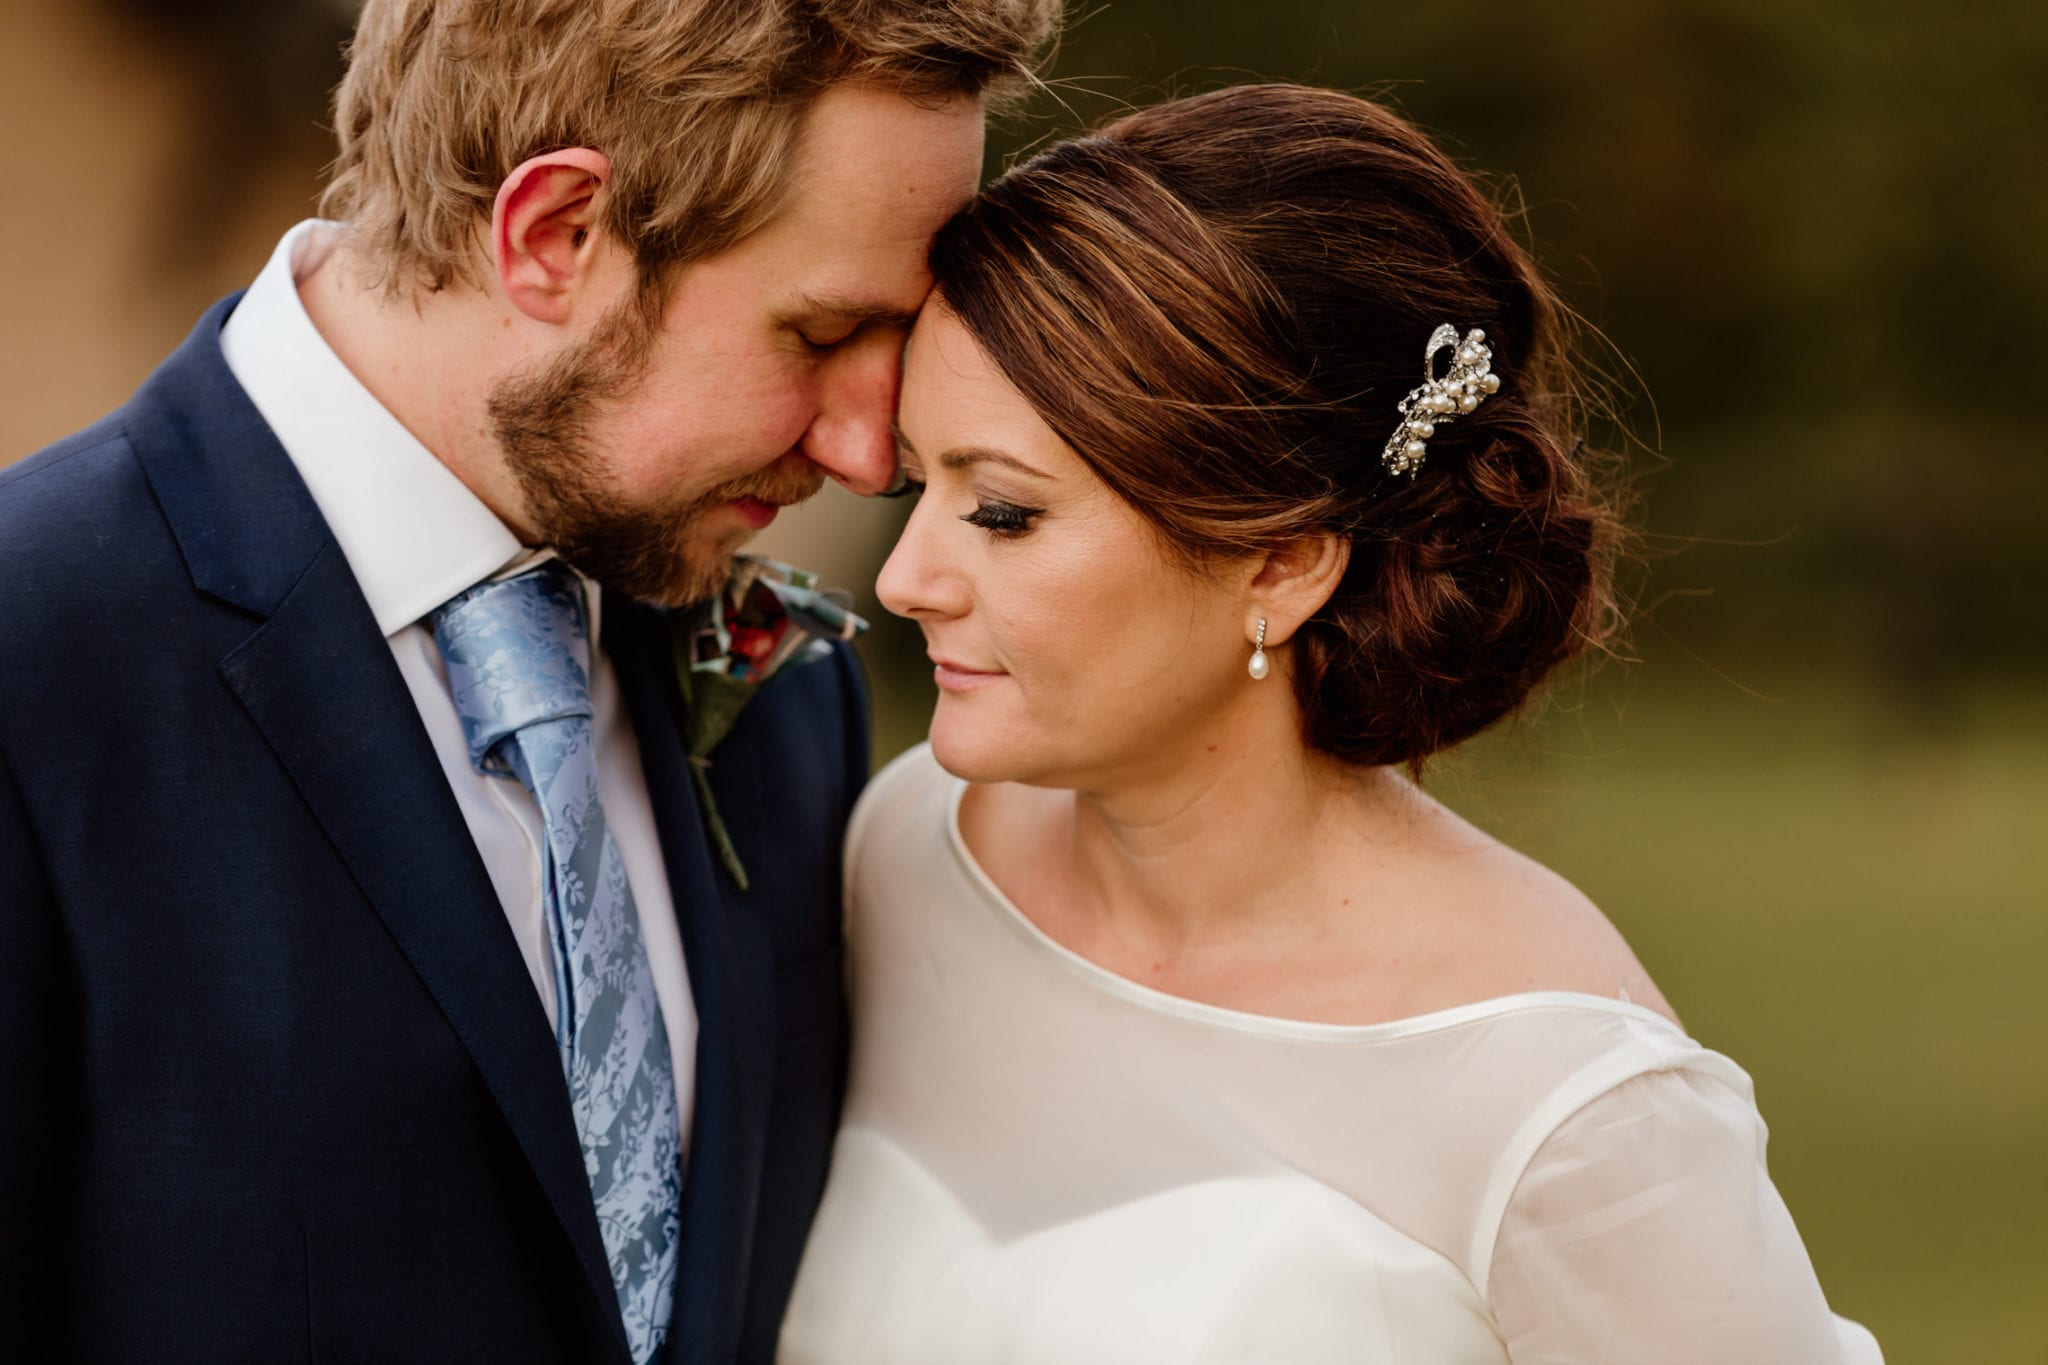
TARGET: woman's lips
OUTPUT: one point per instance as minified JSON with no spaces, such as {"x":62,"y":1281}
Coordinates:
{"x":952,"y":677}
{"x":755,"y":512}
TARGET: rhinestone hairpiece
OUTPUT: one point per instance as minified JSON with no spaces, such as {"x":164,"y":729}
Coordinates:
{"x":1468,"y":382}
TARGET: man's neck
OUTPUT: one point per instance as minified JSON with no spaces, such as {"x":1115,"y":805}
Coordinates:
{"x":428,"y":359}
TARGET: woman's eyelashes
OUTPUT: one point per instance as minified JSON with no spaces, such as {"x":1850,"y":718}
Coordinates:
{"x":1004,"y":520}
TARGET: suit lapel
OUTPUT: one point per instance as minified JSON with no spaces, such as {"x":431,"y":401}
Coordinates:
{"x":317,"y":677}
{"x":319,"y":681}
{"x":731,"y":966}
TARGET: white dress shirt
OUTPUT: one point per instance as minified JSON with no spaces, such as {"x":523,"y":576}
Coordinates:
{"x":415,"y":536}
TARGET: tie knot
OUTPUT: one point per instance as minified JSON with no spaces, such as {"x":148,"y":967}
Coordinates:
{"x":517,"y":655}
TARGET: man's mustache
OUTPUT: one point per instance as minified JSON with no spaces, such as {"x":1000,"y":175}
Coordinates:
{"x":792,"y":479}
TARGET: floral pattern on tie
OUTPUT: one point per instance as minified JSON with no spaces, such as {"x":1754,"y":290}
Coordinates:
{"x":517,"y":653}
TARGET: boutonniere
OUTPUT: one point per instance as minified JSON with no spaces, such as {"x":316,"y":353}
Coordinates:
{"x":769,"y":617}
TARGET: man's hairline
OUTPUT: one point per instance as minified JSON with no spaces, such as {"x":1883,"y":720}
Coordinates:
{"x":825,"y":302}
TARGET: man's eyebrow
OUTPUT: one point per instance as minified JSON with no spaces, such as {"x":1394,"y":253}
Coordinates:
{"x":854,"y":309}
{"x":968,"y":455}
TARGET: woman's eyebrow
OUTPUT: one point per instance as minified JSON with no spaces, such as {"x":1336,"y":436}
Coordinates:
{"x":971,"y":455}
{"x":968,"y":455}
{"x":903,"y":445}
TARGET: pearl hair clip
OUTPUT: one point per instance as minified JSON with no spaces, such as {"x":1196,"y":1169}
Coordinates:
{"x":1465,"y":385}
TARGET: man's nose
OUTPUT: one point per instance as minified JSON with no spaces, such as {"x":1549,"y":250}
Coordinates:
{"x":853,"y":437}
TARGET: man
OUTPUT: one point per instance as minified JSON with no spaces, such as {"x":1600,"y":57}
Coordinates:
{"x":367,"y":987}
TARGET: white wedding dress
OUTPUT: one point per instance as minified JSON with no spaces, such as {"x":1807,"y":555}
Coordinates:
{"x":1043,"y":1163}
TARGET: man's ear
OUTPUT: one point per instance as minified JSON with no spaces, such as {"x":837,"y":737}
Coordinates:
{"x":544,"y":230}
{"x":1294,"y":582}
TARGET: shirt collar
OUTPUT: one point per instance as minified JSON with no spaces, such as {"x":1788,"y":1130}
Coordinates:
{"x":413,"y":533}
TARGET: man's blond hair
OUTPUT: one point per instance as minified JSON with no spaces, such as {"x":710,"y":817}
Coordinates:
{"x":698,"y":104}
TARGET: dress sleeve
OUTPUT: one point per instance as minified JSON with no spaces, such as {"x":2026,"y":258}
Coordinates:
{"x":1646,"y":1229}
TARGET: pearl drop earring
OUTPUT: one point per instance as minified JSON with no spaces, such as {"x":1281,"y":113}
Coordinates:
{"x":1258,"y":667}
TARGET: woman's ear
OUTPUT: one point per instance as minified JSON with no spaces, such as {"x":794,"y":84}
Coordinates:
{"x":1294,"y":582}
{"x":544,"y":230}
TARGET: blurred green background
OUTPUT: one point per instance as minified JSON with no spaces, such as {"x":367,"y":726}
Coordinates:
{"x":1812,"y":232}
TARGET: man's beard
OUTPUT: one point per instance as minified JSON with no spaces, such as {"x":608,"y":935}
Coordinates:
{"x":654,"y":552}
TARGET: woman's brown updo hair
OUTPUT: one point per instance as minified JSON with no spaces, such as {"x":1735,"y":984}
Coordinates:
{"x":1218,"y":303}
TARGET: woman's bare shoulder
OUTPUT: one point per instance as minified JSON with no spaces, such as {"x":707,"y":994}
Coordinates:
{"x":1554,"y":937}
{"x":1498,"y":922}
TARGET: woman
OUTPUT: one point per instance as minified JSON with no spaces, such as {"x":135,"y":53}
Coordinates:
{"x":1190,"y":1028}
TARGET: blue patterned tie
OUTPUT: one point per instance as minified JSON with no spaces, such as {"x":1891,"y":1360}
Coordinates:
{"x":518,"y":656}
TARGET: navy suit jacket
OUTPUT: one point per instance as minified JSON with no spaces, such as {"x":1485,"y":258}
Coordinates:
{"x":274,"y":1082}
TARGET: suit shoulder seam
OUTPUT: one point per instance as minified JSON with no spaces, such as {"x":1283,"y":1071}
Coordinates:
{"x":20,"y":474}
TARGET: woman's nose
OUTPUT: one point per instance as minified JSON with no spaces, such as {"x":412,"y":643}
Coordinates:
{"x":916,"y":581}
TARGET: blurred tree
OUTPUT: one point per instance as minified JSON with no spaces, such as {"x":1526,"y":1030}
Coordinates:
{"x":1808,"y":225}
{"x":1808,"y":228}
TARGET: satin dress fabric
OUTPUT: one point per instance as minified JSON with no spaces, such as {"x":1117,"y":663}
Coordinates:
{"x":1043,"y":1163}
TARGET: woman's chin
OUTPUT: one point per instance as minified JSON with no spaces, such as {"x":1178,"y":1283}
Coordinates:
{"x":970,"y":748}
{"x":962,"y":758}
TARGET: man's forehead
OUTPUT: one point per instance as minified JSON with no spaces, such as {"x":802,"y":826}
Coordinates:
{"x":880,"y":163}
{"x":875,"y":175}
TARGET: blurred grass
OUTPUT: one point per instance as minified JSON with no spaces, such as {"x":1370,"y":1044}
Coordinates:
{"x":1850,"y":902}
{"x":1847,"y":900}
